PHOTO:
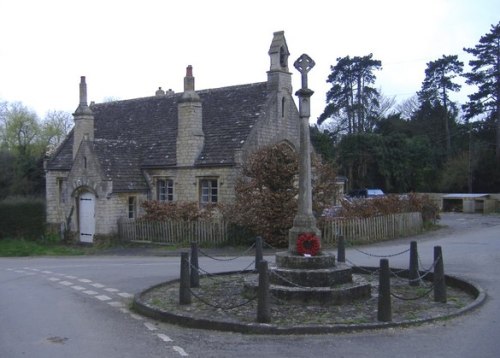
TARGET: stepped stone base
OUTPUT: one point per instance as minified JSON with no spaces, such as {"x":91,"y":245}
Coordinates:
{"x":315,"y":279}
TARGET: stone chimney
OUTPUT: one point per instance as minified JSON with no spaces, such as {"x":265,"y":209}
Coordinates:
{"x":84,"y":120}
{"x":278,"y":76}
{"x":190,"y":137}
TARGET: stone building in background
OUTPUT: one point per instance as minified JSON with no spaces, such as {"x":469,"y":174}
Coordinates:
{"x":170,"y":147}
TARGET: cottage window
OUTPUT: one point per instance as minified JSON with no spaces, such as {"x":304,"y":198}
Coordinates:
{"x":165,"y":189}
{"x":132,"y":207}
{"x":208,"y":191}
{"x":60,"y":190}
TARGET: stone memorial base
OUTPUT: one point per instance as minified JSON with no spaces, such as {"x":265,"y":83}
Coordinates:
{"x":314,"y":280}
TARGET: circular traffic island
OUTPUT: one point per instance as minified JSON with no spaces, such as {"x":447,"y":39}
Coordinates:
{"x":224,"y":302}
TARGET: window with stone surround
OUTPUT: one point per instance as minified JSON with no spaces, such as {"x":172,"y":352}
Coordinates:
{"x":60,"y":190}
{"x":209,"y":191}
{"x":132,"y":207}
{"x":165,"y":190}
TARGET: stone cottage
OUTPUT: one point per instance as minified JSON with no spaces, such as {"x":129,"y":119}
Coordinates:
{"x":170,"y":147}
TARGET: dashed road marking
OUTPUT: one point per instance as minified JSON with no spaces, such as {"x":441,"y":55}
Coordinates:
{"x":164,"y":337}
{"x":116,"y":304}
{"x":125,"y":295}
{"x":179,"y":350}
{"x":150,"y":326}
{"x":136,"y":316}
{"x":84,"y":280}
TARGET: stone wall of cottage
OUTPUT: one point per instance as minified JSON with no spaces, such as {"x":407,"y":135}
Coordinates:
{"x":187,"y":182}
{"x":280,"y":123}
{"x":56,"y":198}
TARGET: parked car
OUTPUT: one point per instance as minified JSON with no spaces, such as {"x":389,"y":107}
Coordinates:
{"x":365,"y":193}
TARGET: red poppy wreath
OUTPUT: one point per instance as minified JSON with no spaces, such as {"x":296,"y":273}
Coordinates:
{"x":308,"y":244}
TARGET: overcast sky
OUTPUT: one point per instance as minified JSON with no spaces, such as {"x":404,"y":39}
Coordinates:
{"x":127,"y":49}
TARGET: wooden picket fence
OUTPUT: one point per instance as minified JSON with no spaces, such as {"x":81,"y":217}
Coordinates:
{"x":216,"y":231}
{"x":378,"y":228}
{"x":173,"y":232}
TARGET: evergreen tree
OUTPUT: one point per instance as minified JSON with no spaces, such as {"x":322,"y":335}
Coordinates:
{"x":351,"y":97}
{"x":437,"y":84}
{"x":485,"y":74}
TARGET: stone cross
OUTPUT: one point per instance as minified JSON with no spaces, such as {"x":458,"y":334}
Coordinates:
{"x":304,"y":221}
{"x":304,"y":64}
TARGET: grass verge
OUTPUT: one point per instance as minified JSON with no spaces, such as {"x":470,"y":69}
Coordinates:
{"x":21,"y":247}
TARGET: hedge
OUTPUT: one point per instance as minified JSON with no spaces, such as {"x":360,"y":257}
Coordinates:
{"x":22,"y":218}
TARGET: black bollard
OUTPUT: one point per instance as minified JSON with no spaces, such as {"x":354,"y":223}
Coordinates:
{"x":439,"y":279}
{"x":413,"y":274}
{"x":263,"y":299}
{"x":341,"y":249}
{"x":384,"y":313}
{"x":195,"y":274}
{"x":184,"y":289}
{"x":258,"y":252}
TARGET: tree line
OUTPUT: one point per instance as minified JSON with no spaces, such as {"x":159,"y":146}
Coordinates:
{"x":428,"y":142}
{"x":25,"y":141}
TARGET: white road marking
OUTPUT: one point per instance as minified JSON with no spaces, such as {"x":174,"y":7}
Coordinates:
{"x":116,"y":304}
{"x":19,"y":271}
{"x":111,"y":290}
{"x":103,"y":298}
{"x":84,"y":280}
{"x":97,"y":285}
{"x":125,"y":295}
{"x":10,"y":269}
{"x":47,"y":272}
{"x":136,"y":316}
{"x":90,"y":292}
{"x":150,"y":326}
{"x":78,"y":288}
{"x":70,"y":277}
{"x":164,"y":337}
{"x":54,"y":279}
{"x":66,"y":283}
{"x":179,"y":350}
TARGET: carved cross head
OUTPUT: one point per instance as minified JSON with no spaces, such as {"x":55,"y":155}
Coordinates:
{"x":304,"y":64}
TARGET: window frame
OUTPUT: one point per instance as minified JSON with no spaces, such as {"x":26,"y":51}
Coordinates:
{"x":208,"y":191}
{"x":132,"y":207}
{"x":165,"y":190}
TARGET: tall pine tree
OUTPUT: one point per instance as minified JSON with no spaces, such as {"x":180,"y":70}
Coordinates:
{"x":485,"y":74}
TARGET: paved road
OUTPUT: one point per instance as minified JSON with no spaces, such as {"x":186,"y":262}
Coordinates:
{"x":78,"y":307}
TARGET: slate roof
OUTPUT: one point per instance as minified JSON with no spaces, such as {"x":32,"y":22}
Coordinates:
{"x":141,"y":133}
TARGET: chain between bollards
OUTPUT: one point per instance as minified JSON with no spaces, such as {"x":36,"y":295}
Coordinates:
{"x":184,"y":284}
{"x":384,"y":312}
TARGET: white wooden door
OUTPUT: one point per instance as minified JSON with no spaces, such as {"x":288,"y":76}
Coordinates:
{"x":87,"y":217}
